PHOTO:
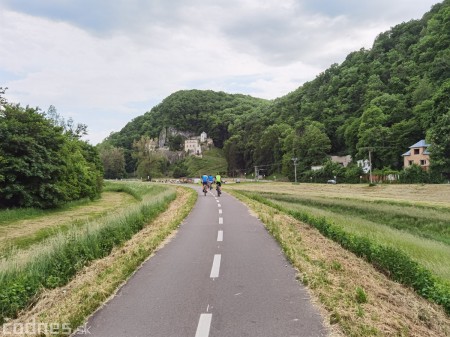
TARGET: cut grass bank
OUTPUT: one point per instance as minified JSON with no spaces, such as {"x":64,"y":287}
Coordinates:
{"x":95,"y":283}
{"x":389,"y":260}
{"x":23,"y":233}
{"x":358,"y":300}
{"x":55,"y":261}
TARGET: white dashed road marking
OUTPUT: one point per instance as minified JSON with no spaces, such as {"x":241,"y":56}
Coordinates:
{"x":220,"y":221}
{"x":216,"y":266}
{"x":204,"y":324}
{"x":220,"y":236}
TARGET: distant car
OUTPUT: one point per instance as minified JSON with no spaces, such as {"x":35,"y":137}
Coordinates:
{"x":238,"y":180}
{"x":331,"y":181}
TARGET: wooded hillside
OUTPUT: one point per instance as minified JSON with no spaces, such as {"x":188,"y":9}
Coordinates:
{"x":386,"y":99}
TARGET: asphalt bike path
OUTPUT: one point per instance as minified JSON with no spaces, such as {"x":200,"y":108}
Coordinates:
{"x":221,"y":275}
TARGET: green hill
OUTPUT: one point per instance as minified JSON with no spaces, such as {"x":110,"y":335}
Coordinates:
{"x":385,"y":98}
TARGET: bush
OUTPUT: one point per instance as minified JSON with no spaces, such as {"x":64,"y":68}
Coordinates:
{"x":414,"y":174}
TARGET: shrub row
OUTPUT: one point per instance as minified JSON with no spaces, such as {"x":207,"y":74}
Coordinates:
{"x":58,"y":263}
{"x":391,"y":261}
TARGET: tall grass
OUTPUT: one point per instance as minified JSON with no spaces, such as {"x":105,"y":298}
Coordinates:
{"x":54,"y":262}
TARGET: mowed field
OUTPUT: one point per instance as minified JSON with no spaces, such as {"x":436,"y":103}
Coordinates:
{"x":412,"y":218}
{"x":21,"y":229}
{"x":427,"y":195}
{"x":376,"y":259}
{"x":46,"y":249}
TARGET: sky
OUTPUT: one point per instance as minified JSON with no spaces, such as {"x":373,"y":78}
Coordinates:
{"x":104,"y":62}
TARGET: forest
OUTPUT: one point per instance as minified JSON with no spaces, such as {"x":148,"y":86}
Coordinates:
{"x":383,"y":99}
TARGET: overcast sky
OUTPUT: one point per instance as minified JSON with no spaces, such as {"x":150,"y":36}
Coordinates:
{"x":104,"y":62}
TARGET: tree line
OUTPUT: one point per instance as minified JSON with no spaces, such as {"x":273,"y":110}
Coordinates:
{"x":43,"y":161}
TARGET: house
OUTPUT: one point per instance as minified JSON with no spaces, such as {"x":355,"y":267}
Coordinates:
{"x":193,"y":146}
{"x":418,"y":154}
{"x":342,"y":160}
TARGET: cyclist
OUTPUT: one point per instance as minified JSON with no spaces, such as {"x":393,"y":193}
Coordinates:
{"x":218,"y":184}
{"x":205,"y":183}
{"x":210,"y":182}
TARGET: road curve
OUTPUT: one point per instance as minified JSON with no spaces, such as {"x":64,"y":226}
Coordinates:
{"x":221,"y":275}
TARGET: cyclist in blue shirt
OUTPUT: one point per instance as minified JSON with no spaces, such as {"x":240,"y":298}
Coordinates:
{"x":210,"y":182}
{"x":205,"y":183}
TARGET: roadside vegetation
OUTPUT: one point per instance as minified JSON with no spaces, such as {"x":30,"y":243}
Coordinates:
{"x":44,"y":162}
{"x":20,"y":228}
{"x":97,"y":281}
{"x":53,"y":262}
{"x":406,"y":240}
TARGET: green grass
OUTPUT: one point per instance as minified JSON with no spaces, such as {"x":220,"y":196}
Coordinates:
{"x":15,"y":214}
{"x":378,"y":222}
{"x":8,"y":217}
{"x":53,"y":262}
{"x":133,"y":188}
{"x":213,"y":162}
{"x":429,"y":223}
{"x":397,"y":259}
{"x":76,"y":309}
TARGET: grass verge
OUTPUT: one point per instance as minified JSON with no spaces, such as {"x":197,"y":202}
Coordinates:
{"x":356,"y":298}
{"x":427,"y":222}
{"x":96,"y":282}
{"x":389,"y":260}
{"x":54,"y":262}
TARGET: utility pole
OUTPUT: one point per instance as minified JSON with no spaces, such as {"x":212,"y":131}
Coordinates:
{"x":295,"y":167}
{"x":256,"y":173}
{"x":370,"y":165}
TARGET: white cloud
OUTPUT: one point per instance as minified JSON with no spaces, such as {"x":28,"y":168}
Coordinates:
{"x":104,"y":63}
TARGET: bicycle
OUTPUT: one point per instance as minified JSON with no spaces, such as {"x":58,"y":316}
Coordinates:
{"x":219,"y":190}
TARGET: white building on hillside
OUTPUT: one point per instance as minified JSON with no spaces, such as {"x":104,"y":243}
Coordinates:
{"x":192,"y":146}
{"x":203,"y":137}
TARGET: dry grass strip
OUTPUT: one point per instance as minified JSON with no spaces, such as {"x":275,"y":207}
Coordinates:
{"x":96,"y":283}
{"x":355,"y":299}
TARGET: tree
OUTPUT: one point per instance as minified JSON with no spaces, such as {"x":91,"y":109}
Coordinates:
{"x":70,"y":129}
{"x":176,"y":143}
{"x":234,"y":149}
{"x":2,"y":98}
{"x":313,"y":146}
{"x":269,"y":149}
{"x":41,"y":166}
{"x":150,"y":163}
{"x":113,"y":160}
{"x":439,"y":138}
